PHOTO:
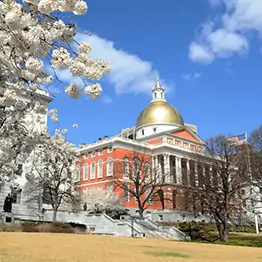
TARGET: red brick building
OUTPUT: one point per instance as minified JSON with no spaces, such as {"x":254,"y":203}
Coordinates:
{"x":161,"y":132}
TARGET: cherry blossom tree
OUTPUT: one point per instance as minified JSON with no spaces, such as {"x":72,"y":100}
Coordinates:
{"x":97,"y":200}
{"x":35,"y":35}
{"x":52,"y":174}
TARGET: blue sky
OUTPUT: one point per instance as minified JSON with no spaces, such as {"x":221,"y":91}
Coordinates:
{"x":206,"y":52}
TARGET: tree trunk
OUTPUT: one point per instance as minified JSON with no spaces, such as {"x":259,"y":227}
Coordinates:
{"x":54,"y":215}
{"x":140,"y":210}
{"x":223,"y":230}
{"x":223,"y":234}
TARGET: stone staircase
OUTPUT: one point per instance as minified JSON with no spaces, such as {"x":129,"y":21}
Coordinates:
{"x":153,"y":230}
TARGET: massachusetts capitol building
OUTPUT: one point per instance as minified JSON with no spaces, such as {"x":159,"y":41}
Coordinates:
{"x":161,"y":132}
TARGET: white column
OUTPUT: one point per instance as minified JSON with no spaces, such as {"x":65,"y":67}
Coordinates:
{"x":188,"y":171}
{"x":157,"y":169}
{"x":178,"y":170}
{"x":196,"y":173}
{"x":167,"y":168}
{"x":153,"y":168}
{"x":204,"y":176}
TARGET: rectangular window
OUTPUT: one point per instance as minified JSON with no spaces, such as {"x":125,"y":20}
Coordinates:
{"x":178,"y":143}
{"x":93,"y":154}
{"x":100,"y":152}
{"x":109,"y":149}
{"x":169,"y":140}
{"x":85,"y":156}
{"x":16,"y":197}
{"x":126,"y":194}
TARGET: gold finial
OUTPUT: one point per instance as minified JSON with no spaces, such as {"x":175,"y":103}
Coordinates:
{"x":158,"y":82}
{"x":157,"y":85}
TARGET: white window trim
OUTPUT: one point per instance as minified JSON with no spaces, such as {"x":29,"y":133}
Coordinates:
{"x":93,"y":154}
{"x":125,"y":161}
{"x":92,"y":175}
{"x":98,"y":169}
{"x":86,"y":156}
{"x":85,"y":172}
{"x":128,"y":195}
{"x":107,"y":171}
{"x":78,"y":173}
{"x":148,"y":176}
{"x":109,"y":151}
{"x":100,"y":152}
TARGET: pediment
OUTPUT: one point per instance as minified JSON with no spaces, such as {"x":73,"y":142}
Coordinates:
{"x":187,"y":135}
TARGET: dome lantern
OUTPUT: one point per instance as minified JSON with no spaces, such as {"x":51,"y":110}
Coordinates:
{"x":158,"y":92}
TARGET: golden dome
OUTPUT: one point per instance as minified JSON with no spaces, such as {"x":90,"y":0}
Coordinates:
{"x":159,"y":112}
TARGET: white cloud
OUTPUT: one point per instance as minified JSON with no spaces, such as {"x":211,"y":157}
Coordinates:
{"x":129,"y":73}
{"x":200,"y":53}
{"x":224,"y":43}
{"x":229,"y":34}
{"x":192,"y":76}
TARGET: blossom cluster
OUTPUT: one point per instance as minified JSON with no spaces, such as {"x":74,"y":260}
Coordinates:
{"x":99,"y":200}
{"x":32,"y":31}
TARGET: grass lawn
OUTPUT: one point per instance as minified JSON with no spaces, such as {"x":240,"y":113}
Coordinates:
{"x":45,"y":247}
{"x":245,"y":239}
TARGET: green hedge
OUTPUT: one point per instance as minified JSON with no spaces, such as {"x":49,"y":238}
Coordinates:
{"x":201,"y":231}
{"x":57,"y":227}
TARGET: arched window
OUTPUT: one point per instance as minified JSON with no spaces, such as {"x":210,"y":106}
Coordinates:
{"x":85,"y":172}
{"x":77,"y":173}
{"x":174,"y":198}
{"x":93,"y":170}
{"x":109,"y":167}
{"x":125,"y":167}
{"x":100,"y":169}
{"x":136,"y":166}
{"x":161,"y":198}
{"x":143,"y":132}
{"x":147,"y":171}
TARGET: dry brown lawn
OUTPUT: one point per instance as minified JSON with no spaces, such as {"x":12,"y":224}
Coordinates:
{"x":36,"y":247}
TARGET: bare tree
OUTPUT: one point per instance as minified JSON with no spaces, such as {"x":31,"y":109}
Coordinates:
{"x":255,"y":162}
{"x":137,"y":176}
{"x":51,"y":178}
{"x":222,"y":173}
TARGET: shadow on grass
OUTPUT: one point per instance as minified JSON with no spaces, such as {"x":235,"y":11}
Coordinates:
{"x":166,"y":254}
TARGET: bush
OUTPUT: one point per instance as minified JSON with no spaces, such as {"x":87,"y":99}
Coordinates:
{"x":82,"y":227}
{"x":58,"y":227}
{"x":9,"y":228}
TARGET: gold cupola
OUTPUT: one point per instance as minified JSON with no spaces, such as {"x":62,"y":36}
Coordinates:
{"x":159,"y":111}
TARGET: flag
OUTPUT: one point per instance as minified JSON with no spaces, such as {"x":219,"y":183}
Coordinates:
{"x":236,"y":139}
